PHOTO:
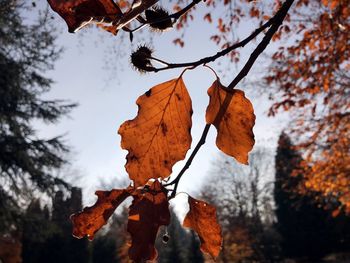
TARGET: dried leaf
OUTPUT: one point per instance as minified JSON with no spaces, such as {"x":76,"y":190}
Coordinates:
{"x":235,"y":124}
{"x":202,"y":219}
{"x":148,"y":211}
{"x":79,"y":13}
{"x":91,"y":219}
{"x":160,"y":134}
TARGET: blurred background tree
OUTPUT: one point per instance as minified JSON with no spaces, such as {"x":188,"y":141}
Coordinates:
{"x":27,"y":162}
{"x":244,"y":199}
{"x":308,"y":230}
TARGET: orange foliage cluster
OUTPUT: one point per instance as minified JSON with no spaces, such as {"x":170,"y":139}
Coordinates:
{"x":11,"y":250}
{"x":156,"y":139}
{"x":313,"y":78}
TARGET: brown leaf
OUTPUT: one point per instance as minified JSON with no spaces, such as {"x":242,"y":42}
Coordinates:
{"x":202,"y":219}
{"x":235,"y":124}
{"x":148,"y":211}
{"x":79,"y":13}
{"x":160,"y":134}
{"x":91,"y":219}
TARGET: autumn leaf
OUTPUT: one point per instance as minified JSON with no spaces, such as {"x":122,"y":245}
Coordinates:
{"x":160,"y":134}
{"x":148,"y":211}
{"x":202,"y":219}
{"x":79,"y":13}
{"x":91,"y":219}
{"x":233,"y":116}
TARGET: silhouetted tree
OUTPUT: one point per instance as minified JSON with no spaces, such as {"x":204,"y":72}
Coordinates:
{"x":27,"y":161}
{"x":48,"y":238}
{"x":37,"y":229}
{"x":104,"y":250}
{"x":194,"y":254}
{"x":307,"y":230}
{"x":112,"y":245}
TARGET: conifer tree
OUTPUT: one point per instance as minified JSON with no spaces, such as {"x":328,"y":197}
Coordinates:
{"x":305,"y":227}
{"x":27,"y":51}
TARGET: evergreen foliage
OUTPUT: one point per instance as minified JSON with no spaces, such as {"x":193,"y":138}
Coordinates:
{"x":47,"y":236}
{"x":308,"y":230}
{"x":27,"y":162}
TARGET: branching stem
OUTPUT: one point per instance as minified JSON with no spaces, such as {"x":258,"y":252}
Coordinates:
{"x":274,"y":24}
{"x":220,"y":53}
{"x":174,"y":16}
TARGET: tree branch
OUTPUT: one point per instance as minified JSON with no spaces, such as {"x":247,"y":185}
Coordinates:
{"x":218,"y":54}
{"x":277,"y":20}
{"x":174,"y":16}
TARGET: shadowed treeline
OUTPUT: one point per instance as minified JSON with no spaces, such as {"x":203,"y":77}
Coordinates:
{"x":265,"y":218}
{"x":46,"y":237}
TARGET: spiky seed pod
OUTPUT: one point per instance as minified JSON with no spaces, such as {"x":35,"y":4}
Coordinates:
{"x":140,"y":59}
{"x":161,"y":15}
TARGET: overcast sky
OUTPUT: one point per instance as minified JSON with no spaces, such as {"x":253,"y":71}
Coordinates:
{"x":82,"y":75}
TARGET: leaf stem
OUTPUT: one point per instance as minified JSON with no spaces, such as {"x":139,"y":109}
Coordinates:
{"x":189,"y":161}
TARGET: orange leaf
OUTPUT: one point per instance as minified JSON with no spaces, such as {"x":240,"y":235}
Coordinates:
{"x":79,"y":13}
{"x":334,"y":4}
{"x":202,"y":219}
{"x":148,"y":211}
{"x":160,"y":134}
{"x":235,"y":124}
{"x":208,"y":18}
{"x":325,"y":2}
{"x":91,"y":219}
{"x":336,"y":212}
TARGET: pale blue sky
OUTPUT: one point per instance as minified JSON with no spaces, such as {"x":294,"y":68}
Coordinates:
{"x":104,"y":103}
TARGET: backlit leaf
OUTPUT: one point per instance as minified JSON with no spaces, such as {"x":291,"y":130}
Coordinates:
{"x":91,"y":219}
{"x":160,"y":134}
{"x":148,"y":211}
{"x":79,"y":13}
{"x":233,"y":116}
{"x":202,"y":219}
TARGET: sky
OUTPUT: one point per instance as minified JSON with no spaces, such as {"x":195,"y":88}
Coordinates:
{"x":95,"y":72}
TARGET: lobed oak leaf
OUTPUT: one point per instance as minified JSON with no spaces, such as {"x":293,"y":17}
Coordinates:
{"x":202,"y":219}
{"x":160,"y":134}
{"x":233,"y":116}
{"x":79,"y":13}
{"x":148,"y":211}
{"x":91,"y":219}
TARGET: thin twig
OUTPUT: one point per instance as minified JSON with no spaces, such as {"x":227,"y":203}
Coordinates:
{"x":174,"y":16}
{"x":277,"y":21}
{"x":190,"y":159}
{"x":220,"y":53}
{"x":183,"y":11}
